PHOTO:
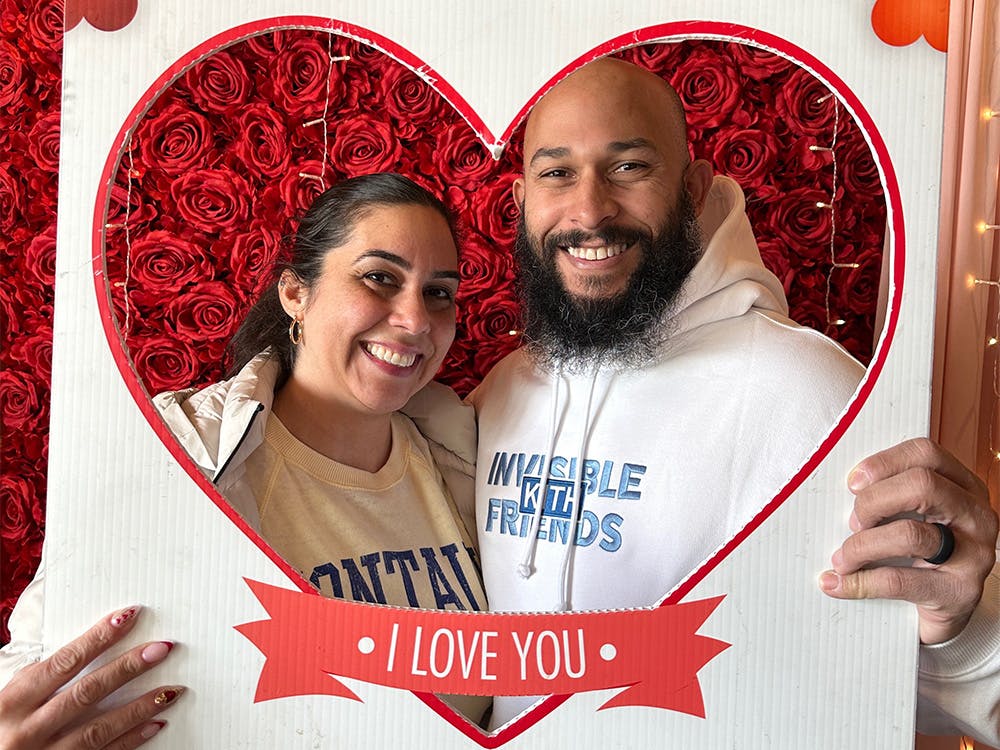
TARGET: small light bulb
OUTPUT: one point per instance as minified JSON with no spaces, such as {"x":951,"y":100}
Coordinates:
{"x":512,"y":333}
{"x":991,"y":341}
{"x":839,"y":322}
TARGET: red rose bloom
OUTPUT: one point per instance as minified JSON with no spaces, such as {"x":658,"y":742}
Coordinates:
{"x":22,"y":516}
{"x":13,"y":76}
{"x":205,"y":314}
{"x":164,"y":362}
{"x":495,"y":210}
{"x":655,"y":57}
{"x":219,"y":84}
{"x":262,"y":143}
{"x":10,"y":202}
{"x":746,"y":155}
{"x":212,"y":200}
{"x":300,"y":77}
{"x":412,"y":103}
{"x":23,"y":402}
{"x":756,"y":63}
{"x":806,"y":227}
{"x":176,"y":139}
{"x":808,"y":106}
{"x":40,"y":256}
{"x":253,"y":255}
{"x":167,"y":264}
{"x":485,"y":270}
{"x":708,"y":86}
{"x":462,"y":158}
{"x":43,"y":142}
{"x":859,"y":171}
{"x":364,"y":144}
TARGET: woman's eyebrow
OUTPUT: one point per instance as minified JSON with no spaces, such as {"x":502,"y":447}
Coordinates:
{"x":403,"y":263}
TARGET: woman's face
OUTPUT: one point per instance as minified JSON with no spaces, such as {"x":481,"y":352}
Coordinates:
{"x":379,"y":321}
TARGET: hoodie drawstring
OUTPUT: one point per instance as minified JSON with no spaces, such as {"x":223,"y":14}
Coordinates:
{"x":564,"y":574}
{"x":526,"y":566}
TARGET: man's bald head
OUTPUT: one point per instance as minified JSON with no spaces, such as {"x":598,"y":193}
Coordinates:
{"x":612,"y":88}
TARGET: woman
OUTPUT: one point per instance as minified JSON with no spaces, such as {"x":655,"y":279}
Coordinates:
{"x":307,"y":442}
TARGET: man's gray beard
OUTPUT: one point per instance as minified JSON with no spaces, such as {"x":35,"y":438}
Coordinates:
{"x":623,"y":332}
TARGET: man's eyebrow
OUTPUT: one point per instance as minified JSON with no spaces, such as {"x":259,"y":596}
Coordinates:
{"x":403,"y":263}
{"x":558,"y":152}
{"x":621,"y":146}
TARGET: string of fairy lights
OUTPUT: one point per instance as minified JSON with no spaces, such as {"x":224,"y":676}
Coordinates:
{"x":987,"y":232}
{"x":830,"y":205}
{"x":333,"y":59}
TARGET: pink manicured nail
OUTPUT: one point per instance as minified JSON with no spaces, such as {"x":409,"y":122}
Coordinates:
{"x":122,"y":617}
{"x":156,"y":652}
{"x":151,"y":729}
{"x":829,"y":581}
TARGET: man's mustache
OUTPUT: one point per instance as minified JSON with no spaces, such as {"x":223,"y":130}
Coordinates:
{"x":610,"y":235}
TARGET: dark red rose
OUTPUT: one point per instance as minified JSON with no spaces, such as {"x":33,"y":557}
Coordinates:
{"x":262,"y":143}
{"x":746,"y":155}
{"x":43,"y":142}
{"x":495,"y":210}
{"x":22,"y":513}
{"x":164,"y":362}
{"x":252,"y":257}
{"x":857,"y":289}
{"x":139,"y":209}
{"x":486,"y":269}
{"x":859,"y":171}
{"x":13,"y":76}
{"x":204,"y":314}
{"x":411,"y":101}
{"x":212,"y":200}
{"x":45,"y":29}
{"x":660,"y":57}
{"x":808,"y":106}
{"x":23,"y":405}
{"x":295,"y":193}
{"x":363,"y":144}
{"x":301,"y":82}
{"x":40,"y":256}
{"x":218,"y":84}
{"x":177,"y":139}
{"x":33,"y":352}
{"x":462,"y":158}
{"x":708,"y":86}
{"x":797,"y":219}
{"x":756,"y":63}
{"x":10,"y":202}
{"x":166,"y":264}
{"x":492,"y":320}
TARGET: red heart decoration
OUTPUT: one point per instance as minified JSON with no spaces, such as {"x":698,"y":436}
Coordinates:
{"x":224,"y":148}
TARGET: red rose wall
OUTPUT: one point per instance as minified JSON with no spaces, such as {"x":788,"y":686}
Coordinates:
{"x":226,"y":137}
{"x":193,"y":137}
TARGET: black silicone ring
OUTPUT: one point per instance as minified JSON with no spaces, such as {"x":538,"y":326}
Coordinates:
{"x":946,"y":548}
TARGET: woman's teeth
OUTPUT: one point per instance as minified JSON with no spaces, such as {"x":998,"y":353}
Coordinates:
{"x":388,"y":355}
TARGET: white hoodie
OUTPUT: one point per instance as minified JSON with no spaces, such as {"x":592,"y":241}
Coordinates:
{"x":678,"y":456}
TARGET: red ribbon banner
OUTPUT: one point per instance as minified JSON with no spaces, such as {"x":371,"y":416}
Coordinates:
{"x":655,"y":654}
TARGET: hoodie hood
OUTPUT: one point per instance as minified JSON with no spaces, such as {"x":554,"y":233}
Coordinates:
{"x":730,"y":279}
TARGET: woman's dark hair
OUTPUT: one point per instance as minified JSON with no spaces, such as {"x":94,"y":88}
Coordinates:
{"x":327,"y":225}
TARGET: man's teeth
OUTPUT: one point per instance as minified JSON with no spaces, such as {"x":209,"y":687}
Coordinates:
{"x":596,"y":253}
{"x":388,"y":355}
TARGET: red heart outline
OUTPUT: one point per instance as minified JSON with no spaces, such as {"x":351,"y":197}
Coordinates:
{"x":661,"y":32}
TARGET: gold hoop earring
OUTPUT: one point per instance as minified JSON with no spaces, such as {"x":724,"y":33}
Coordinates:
{"x":295,"y":332}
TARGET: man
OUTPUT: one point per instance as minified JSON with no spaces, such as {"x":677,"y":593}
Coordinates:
{"x":663,"y":396}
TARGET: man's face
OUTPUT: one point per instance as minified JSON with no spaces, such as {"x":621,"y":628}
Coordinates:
{"x":602,"y":169}
{"x":608,"y":204}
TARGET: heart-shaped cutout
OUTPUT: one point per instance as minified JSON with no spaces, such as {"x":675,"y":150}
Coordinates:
{"x":229,"y":144}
